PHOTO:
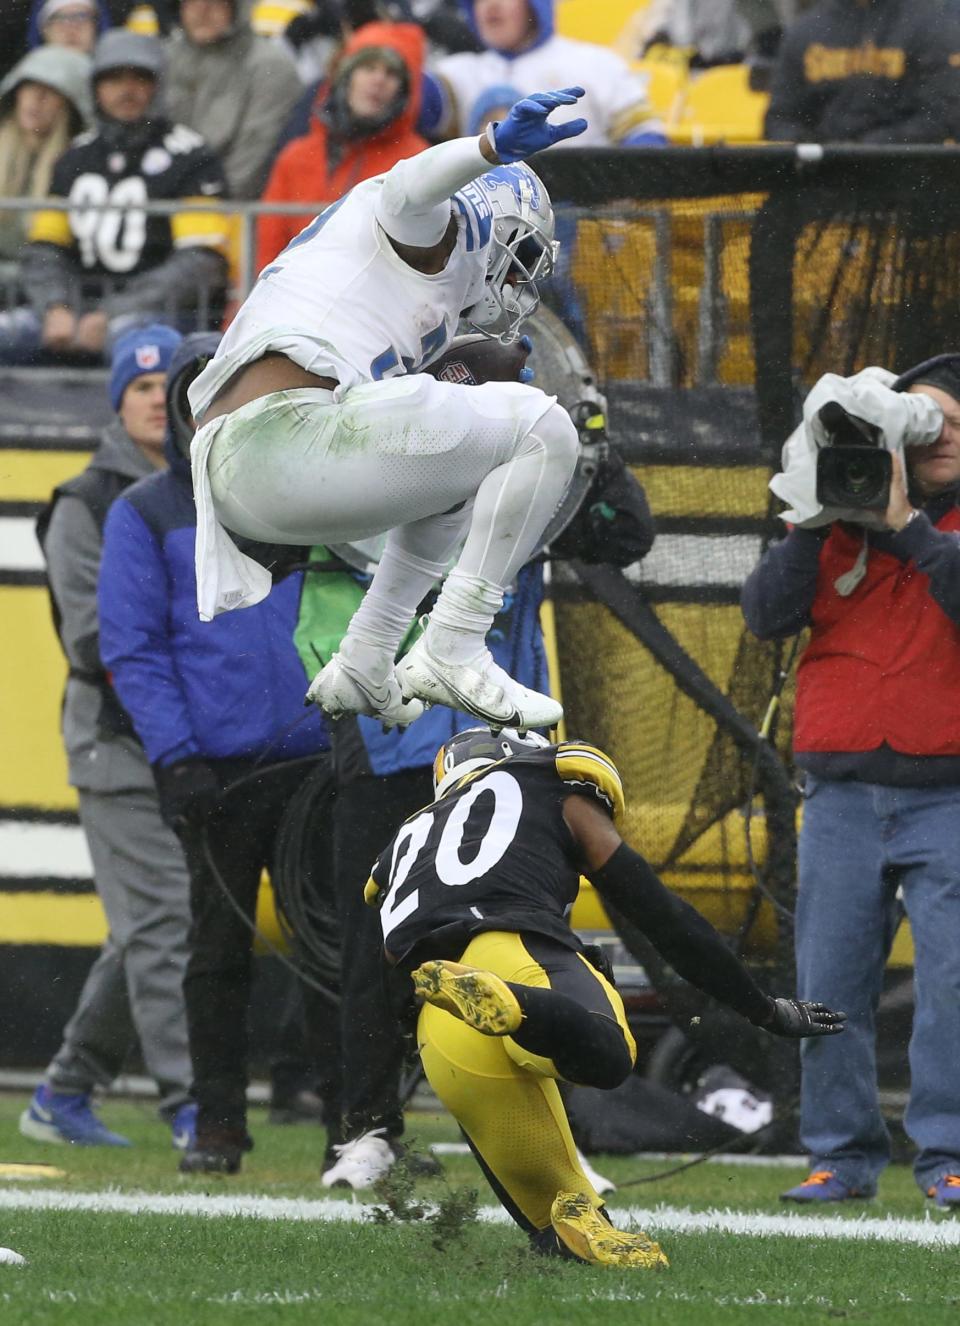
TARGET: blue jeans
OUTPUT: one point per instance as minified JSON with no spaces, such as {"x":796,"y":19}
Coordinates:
{"x":859,"y":844}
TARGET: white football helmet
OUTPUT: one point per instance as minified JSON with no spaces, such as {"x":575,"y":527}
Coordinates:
{"x":522,"y":250}
{"x":475,"y":748}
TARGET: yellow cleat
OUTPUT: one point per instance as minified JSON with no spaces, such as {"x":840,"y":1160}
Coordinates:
{"x":478,"y":998}
{"x":583,"y":1230}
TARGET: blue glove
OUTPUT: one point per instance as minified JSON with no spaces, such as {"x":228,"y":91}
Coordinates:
{"x":526,"y":374}
{"x":525,"y":130}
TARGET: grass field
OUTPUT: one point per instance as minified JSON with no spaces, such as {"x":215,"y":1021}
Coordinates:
{"x":307,"y":1256}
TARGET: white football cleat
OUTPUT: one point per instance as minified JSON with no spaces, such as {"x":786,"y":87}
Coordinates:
{"x":480,"y":688}
{"x":339,"y":689}
{"x":360,"y":1163}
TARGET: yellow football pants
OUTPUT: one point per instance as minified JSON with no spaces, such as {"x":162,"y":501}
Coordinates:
{"x":505,"y":1097}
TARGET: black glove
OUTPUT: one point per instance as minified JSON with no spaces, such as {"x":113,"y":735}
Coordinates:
{"x":796,"y":1018}
{"x":188,"y":790}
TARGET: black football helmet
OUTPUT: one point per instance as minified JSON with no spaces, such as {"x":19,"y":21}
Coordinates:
{"x":474,"y":749}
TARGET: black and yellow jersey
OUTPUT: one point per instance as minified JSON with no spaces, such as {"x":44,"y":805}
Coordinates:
{"x":494,"y":853}
{"x":117,"y":173}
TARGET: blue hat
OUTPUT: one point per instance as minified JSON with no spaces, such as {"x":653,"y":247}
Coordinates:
{"x":142,"y":350}
{"x":491,"y":99}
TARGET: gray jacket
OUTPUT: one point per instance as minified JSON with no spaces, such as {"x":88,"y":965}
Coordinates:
{"x":238,"y":93}
{"x":99,"y":761}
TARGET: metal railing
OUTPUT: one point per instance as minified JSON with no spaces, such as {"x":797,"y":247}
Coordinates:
{"x":652,"y":320}
{"x":240,"y":216}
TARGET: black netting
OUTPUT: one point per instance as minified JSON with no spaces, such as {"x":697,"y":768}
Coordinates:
{"x":711,"y":288}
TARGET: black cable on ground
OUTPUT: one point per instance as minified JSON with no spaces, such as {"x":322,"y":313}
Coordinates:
{"x":732,"y":1144}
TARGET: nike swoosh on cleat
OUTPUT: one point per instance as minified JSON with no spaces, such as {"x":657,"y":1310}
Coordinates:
{"x":465,"y":703}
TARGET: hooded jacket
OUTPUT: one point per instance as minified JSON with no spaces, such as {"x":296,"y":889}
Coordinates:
{"x":26,"y":168}
{"x":883,"y":72}
{"x":615,"y":105}
{"x":321,"y":167}
{"x":237,"y":92}
{"x":66,"y":71}
{"x":230,"y":688}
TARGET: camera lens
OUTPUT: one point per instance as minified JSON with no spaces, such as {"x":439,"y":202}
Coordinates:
{"x":855,"y":477}
{"x":860,"y":478}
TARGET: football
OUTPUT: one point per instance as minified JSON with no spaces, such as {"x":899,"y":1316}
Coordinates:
{"x":474,"y":359}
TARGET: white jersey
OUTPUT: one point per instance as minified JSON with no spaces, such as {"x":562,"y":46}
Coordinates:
{"x":615,"y":100}
{"x":340,"y":302}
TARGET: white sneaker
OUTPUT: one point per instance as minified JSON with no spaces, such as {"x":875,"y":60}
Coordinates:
{"x":480,"y":688}
{"x":339,"y":689}
{"x":360,"y":1163}
{"x":599,"y":1184}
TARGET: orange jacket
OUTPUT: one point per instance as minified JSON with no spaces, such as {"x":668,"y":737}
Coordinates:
{"x":302,"y":172}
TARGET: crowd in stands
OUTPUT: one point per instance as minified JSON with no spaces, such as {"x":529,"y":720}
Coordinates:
{"x":111,"y":103}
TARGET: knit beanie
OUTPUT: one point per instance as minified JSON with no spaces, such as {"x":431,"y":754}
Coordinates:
{"x":53,"y":7}
{"x":942,"y":371}
{"x":139,"y":351}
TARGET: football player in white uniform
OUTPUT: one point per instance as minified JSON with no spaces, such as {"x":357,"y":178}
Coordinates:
{"x":317,"y":426}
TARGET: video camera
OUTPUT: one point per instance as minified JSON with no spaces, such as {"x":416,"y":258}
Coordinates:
{"x":854,"y":468}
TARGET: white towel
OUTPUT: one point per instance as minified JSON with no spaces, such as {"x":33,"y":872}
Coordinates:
{"x":904,"y":419}
{"x":226,"y":577}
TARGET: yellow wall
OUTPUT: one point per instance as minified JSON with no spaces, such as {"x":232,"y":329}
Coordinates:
{"x":31,"y":476}
{"x":76,"y":920}
{"x":33,"y":771}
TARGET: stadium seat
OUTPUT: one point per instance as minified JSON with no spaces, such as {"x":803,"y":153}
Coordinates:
{"x":585,"y":20}
{"x":666,"y":80}
{"x":719,"y":106}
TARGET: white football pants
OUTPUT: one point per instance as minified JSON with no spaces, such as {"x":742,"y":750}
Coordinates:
{"x":295,"y":467}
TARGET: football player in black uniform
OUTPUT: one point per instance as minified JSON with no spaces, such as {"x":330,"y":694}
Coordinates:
{"x":474,"y":894}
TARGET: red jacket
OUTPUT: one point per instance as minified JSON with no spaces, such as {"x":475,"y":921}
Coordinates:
{"x":883,"y":665}
{"x":302,"y":172}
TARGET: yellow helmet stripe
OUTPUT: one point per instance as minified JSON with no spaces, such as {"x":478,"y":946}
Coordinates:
{"x":579,"y":762}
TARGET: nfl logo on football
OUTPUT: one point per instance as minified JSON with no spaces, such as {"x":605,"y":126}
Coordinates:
{"x":456,"y":371}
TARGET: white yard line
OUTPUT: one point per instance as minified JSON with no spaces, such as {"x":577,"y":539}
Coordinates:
{"x":674,"y":1157}
{"x":930,"y":1232}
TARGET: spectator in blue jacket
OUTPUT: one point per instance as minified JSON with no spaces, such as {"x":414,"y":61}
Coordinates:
{"x":219,"y":709}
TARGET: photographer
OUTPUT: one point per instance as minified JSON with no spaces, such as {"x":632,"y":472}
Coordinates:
{"x":877,"y":735}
